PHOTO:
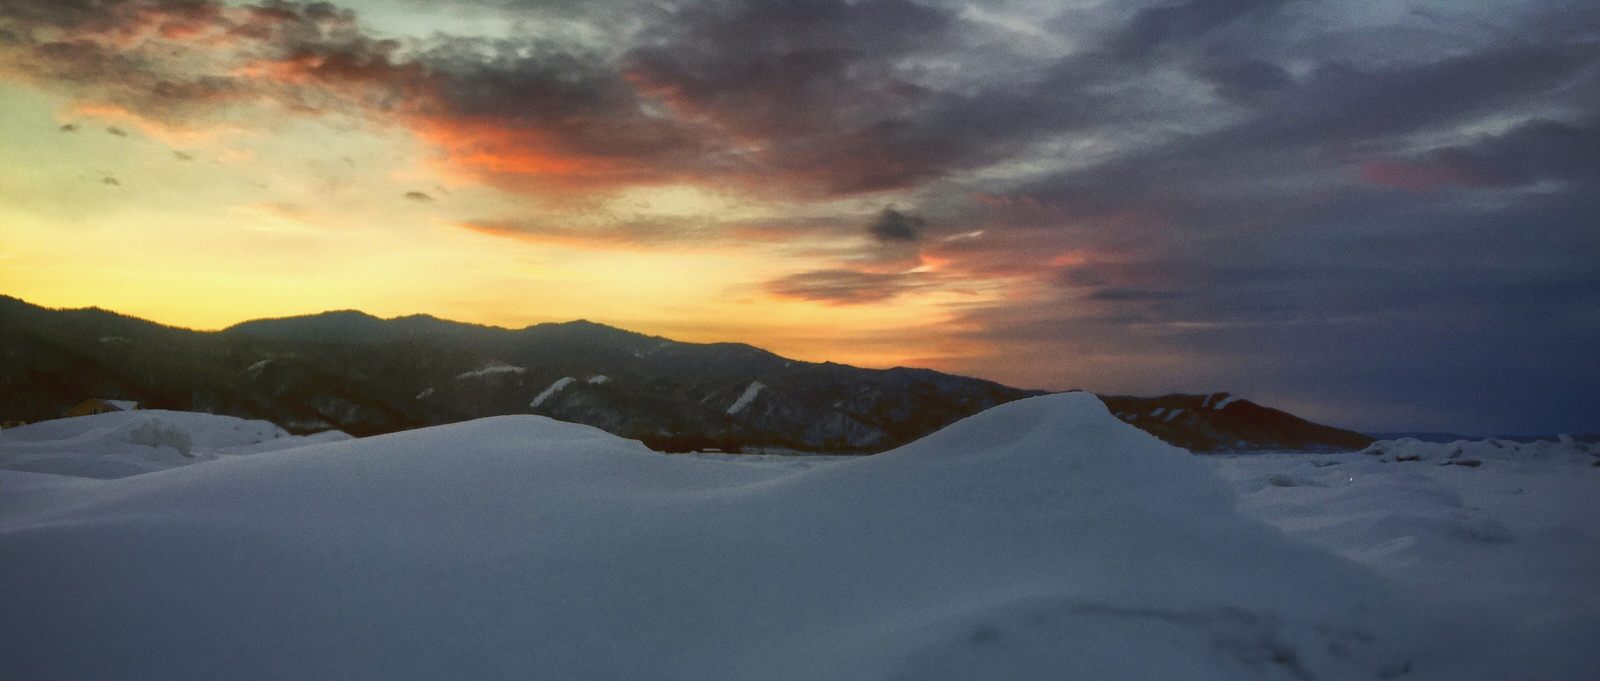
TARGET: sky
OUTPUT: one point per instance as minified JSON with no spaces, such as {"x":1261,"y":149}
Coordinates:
{"x":1383,"y":215}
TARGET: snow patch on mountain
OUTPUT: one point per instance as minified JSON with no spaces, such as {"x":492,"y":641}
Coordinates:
{"x":493,"y":369}
{"x":556,"y":387}
{"x":744,"y":400}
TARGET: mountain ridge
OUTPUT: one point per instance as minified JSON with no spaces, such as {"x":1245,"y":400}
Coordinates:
{"x":363,"y":374}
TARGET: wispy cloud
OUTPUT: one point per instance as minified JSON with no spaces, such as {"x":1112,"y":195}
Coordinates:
{"x":847,"y":287}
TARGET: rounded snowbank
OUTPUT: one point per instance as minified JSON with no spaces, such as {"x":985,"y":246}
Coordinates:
{"x":1040,"y":539}
{"x":126,"y":443}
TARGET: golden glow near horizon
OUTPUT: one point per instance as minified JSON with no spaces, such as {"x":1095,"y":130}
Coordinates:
{"x":993,"y":191}
{"x":207,"y":228}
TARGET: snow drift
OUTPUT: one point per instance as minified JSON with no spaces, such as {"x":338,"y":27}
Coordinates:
{"x":1040,"y":539}
{"x":123,"y":443}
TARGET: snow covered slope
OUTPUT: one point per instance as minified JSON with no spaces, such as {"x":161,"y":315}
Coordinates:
{"x":124,"y":443}
{"x":1040,"y":539}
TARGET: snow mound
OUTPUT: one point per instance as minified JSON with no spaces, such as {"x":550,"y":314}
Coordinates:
{"x":120,"y":444}
{"x":1039,"y":539}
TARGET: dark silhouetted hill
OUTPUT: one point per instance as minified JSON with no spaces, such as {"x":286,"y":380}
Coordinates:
{"x":366,"y":375}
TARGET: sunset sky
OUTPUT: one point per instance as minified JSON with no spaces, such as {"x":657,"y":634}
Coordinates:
{"x":1374,"y":213}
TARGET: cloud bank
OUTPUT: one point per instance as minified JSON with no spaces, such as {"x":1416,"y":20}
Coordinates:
{"x":1380,"y":215}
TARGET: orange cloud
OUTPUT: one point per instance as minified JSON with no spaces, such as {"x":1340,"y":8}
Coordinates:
{"x":521,"y":157}
{"x":171,"y":134}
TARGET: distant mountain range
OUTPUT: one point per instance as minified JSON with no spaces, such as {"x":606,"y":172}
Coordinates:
{"x":364,"y":375}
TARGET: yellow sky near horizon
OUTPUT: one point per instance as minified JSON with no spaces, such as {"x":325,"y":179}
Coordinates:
{"x":207,"y":228}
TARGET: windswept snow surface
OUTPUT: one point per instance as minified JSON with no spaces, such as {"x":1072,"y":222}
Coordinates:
{"x":1504,"y":528}
{"x":1042,"y":539}
{"x":744,"y":400}
{"x":123,"y":443}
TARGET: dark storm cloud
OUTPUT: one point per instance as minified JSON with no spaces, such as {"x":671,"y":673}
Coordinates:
{"x":419,"y":197}
{"x":817,"y":96}
{"x":1338,"y":116}
{"x":1272,"y":252}
{"x":893,"y":225}
{"x":831,"y":95}
{"x":573,"y":103}
{"x":815,"y":82}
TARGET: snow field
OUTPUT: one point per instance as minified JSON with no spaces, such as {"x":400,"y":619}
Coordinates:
{"x":1040,"y":539}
